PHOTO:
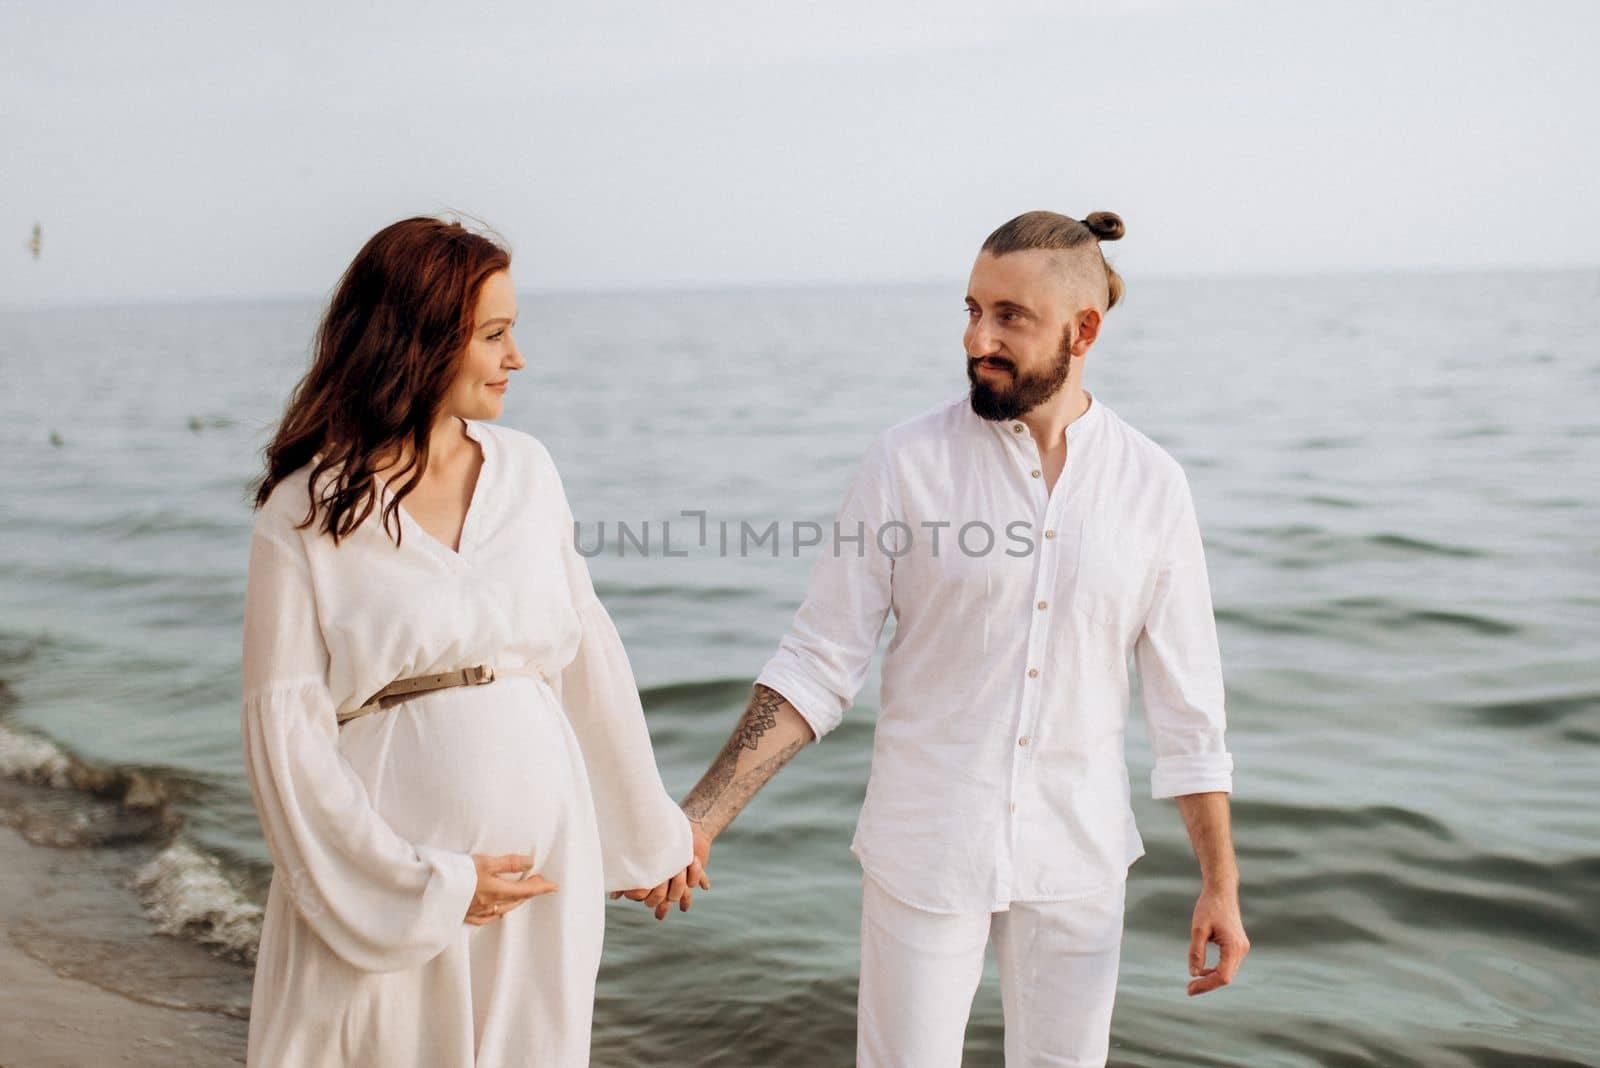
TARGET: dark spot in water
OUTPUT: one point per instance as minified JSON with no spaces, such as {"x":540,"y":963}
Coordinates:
{"x":1537,"y":712}
{"x":1332,"y":502}
{"x":1287,"y":532}
{"x":1406,"y":543}
{"x":1486,"y":1057}
{"x":1477,"y":432}
{"x":1362,"y":602}
{"x":1493,"y":628}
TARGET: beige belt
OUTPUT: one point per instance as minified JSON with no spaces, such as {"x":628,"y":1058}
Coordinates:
{"x":400,"y":689}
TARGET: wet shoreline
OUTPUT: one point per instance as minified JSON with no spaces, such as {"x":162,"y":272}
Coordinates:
{"x":50,"y":1018}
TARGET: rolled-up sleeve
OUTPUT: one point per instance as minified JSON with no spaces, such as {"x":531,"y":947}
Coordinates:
{"x":821,"y":663}
{"x":1180,"y":667}
{"x":380,"y":902}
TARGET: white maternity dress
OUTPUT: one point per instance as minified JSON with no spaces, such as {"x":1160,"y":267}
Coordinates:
{"x":365,"y":957}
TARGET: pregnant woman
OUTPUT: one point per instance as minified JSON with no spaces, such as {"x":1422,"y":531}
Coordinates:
{"x":441,"y":730}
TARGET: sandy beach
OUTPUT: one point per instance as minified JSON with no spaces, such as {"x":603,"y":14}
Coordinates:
{"x":51,"y":1021}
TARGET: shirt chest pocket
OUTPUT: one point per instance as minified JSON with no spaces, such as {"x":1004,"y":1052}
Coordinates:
{"x":1113,"y":574}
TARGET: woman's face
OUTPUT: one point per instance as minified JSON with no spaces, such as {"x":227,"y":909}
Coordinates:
{"x":480,"y":386}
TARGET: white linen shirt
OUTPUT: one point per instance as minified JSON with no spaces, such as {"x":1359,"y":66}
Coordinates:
{"x":998,"y":766}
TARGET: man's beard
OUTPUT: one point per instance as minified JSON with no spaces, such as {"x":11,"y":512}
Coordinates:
{"x":1026,"y":392}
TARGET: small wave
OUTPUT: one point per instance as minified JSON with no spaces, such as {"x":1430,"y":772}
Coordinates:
{"x":1287,"y":532}
{"x":99,"y":578}
{"x":699,"y":692}
{"x":1371,"y":817}
{"x":1407,"y":543}
{"x":1295,"y":924}
{"x":187,"y":894}
{"x":1437,"y":885}
{"x":43,"y":762}
{"x":34,"y":760}
{"x":1361,"y":603}
{"x":1373,"y":611}
{"x":163,"y":523}
{"x":1486,"y":625}
{"x":19,"y":649}
{"x":1485,"y":1056}
{"x":126,"y":803}
{"x":130,"y":525}
{"x":72,"y":803}
{"x":1538,"y":711}
{"x":1329,"y":545}
{"x":1530,"y":902}
{"x":1487,"y":430}
{"x":1262,"y":622}
{"x":106,"y":578}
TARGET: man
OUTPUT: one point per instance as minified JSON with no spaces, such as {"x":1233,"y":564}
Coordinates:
{"x":1028,"y":540}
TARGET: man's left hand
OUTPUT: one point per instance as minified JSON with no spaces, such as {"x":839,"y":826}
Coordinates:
{"x":1216,"y":919}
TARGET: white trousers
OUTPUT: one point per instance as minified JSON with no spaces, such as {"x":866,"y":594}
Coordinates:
{"x":919,"y":971}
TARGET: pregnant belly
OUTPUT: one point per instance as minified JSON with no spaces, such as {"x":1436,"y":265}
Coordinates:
{"x":480,"y":769}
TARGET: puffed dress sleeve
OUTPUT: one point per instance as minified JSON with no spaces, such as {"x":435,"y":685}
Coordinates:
{"x":380,"y":902}
{"x":644,"y":836}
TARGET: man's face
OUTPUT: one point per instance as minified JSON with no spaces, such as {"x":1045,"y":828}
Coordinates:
{"x":1018,"y":337}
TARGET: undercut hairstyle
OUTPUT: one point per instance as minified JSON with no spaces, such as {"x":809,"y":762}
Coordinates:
{"x":1078,"y":239}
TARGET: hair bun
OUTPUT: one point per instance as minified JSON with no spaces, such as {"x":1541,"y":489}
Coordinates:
{"x":1105,"y":225}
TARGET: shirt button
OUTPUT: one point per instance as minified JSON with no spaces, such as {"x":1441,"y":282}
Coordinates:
{"x":1049,"y":533}
{"x":1033,"y":673}
{"x":1043,"y":605}
{"x":1013,"y":806}
{"x":1023,"y":741}
{"x":1016,"y":428}
{"x":1034,"y":472}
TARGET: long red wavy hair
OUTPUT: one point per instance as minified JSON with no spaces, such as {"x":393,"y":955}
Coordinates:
{"x":389,"y":345}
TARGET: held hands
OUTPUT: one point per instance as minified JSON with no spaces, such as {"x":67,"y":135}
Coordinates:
{"x":496,"y":895}
{"x":1216,"y":919}
{"x":681,"y":887}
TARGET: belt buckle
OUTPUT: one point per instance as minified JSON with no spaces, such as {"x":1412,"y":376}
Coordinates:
{"x":479,"y":674}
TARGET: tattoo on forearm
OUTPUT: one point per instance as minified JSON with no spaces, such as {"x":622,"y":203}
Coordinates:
{"x":759,"y":718}
{"x":724,"y":791}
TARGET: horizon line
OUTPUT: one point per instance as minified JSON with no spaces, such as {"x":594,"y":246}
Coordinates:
{"x":673,"y":288}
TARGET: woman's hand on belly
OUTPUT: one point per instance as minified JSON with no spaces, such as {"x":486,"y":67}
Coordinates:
{"x":497,"y":895}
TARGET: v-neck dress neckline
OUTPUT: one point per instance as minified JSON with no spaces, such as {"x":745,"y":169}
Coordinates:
{"x":469,"y":523}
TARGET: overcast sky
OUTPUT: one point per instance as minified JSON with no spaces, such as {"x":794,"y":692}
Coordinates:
{"x":217,"y":150}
